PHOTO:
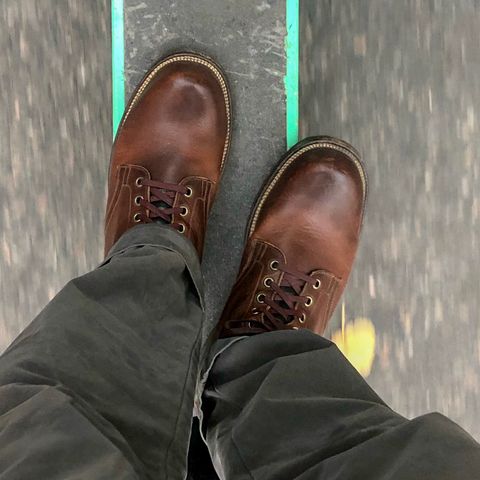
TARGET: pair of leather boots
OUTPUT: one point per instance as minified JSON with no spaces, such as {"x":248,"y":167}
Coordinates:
{"x":166,"y":165}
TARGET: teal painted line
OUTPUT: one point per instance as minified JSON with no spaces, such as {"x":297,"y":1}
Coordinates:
{"x":118,"y":64}
{"x":292,"y":50}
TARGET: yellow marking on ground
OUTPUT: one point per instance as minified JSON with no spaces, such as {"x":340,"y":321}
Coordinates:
{"x":356,"y":340}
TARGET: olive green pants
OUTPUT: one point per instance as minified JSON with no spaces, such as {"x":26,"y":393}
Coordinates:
{"x":103,"y":384}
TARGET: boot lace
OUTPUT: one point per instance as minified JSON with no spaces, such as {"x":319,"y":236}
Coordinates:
{"x":160,"y":206}
{"x":285,"y":305}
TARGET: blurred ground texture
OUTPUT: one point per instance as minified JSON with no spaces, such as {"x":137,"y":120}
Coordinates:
{"x":55,"y":137}
{"x":397,"y":79}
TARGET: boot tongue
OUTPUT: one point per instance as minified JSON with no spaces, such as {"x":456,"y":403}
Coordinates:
{"x":286,"y":287}
{"x":161,"y":205}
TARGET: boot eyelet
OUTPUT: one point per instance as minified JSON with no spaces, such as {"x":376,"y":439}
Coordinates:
{"x":268,"y":282}
{"x":294,"y":328}
{"x":139,"y":182}
{"x":184,"y":211}
{"x":318,"y":284}
{"x":189,"y":192}
{"x":302,"y":318}
{"x":308,"y":301}
{"x":181,"y":228}
{"x":138,"y":199}
{"x":274,"y":265}
{"x":137,"y":218}
{"x":261,"y":298}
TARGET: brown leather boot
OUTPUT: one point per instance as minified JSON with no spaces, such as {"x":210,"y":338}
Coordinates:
{"x":170,"y":149}
{"x":301,"y":241}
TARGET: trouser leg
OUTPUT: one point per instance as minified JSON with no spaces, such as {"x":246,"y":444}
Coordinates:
{"x":101,"y":384}
{"x":288,"y":405}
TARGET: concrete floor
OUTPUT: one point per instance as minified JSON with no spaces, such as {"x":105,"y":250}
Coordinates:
{"x":397,"y":79}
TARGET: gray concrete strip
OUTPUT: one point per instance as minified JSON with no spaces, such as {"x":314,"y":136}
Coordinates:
{"x":247,"y":40}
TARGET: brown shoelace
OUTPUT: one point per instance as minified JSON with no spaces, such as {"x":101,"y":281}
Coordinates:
{"x":162,"y":196}
{"x":284,"y":306}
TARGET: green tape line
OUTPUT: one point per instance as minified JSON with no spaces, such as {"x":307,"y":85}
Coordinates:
{"x":118,"y":64}
{"x":292,"y":51}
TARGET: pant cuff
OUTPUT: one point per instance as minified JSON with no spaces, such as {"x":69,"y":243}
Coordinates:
{"x":217,"y":349}
{"x":161,"y":236}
